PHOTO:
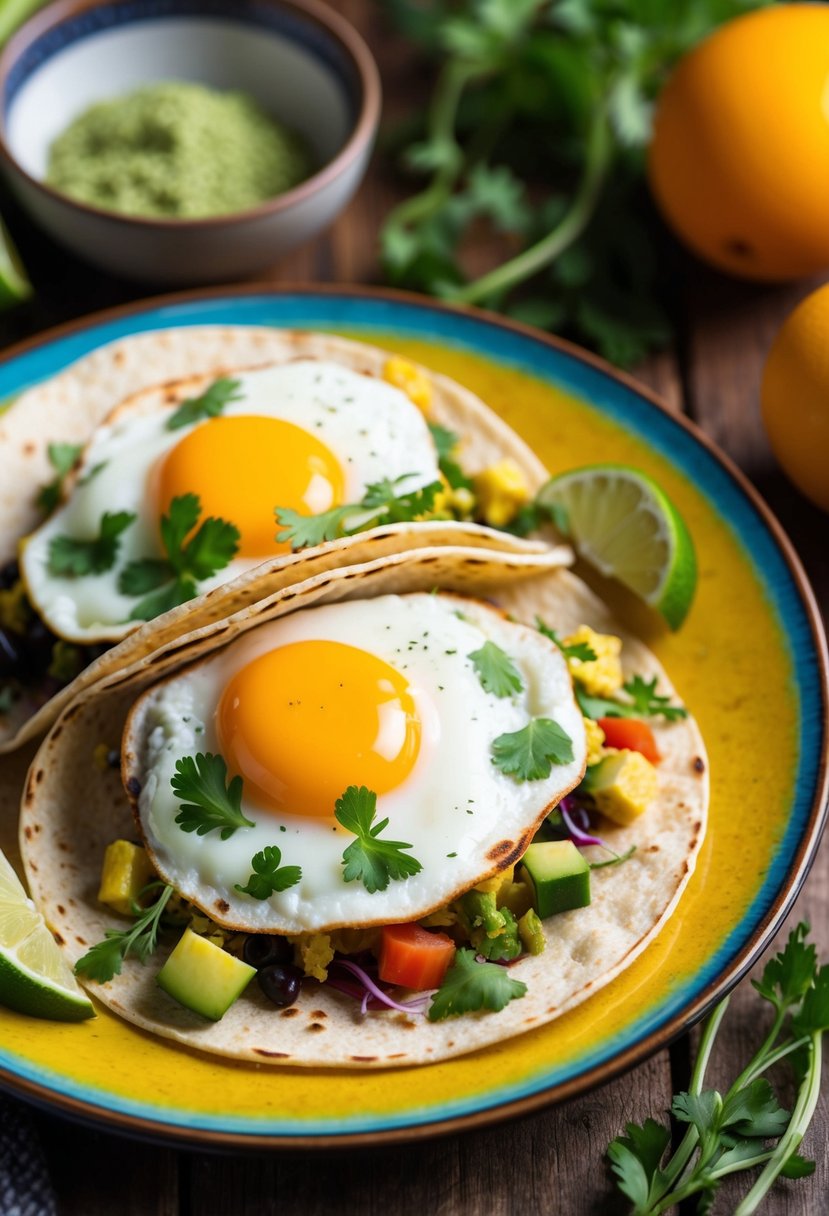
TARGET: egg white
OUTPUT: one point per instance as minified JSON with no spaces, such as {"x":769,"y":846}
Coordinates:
{"x":463,"y":817}
{"x":371,"y":427}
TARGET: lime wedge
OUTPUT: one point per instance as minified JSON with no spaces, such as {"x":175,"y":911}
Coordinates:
{"x":621,"y":522}
{"x":34,"y":976}
{"x":14,"y":284}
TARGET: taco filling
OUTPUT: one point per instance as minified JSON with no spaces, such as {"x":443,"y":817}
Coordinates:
{"x":400,"y":810}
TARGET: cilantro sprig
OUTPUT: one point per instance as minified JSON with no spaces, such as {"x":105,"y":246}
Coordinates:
{"x":528,"y":754}
{"x":383,"y":503}
{"x":71,"y":557}
{"x":730,"y":1132}
{"x":534,"y":137}
{"x":269,"y":875}
{"x":172,"y":580}
{"x":578,"y":650}
{"x":209,"y":803}
{"x":103,"y":961}
{"x":369,"y":859}
{"x":644,"y":702}
{"x":469,"y":986}
{"x":496,"y":670}
{"x":62,"y":457}
{"x":446,"y":444}
{"x":210,"y":404}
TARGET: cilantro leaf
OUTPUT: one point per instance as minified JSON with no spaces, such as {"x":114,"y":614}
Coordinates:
{"x":373,"y":861}
{"x":103,"y":960}
{"x":210,"y":802}
{"x":469,"y":986}
{"x":797,"y":1167}
{"x":496,"y":670}
{"x":73,"y":558}
{"x":528,"y":754}
{"x":173,"y":580}
{"x":446,"y":443}
{"x":396,"y":508}
{"x":534,"y":515}
{"x":635,"y":1159}
{"x":789,"y":975}
{"x":381,"y":500}
{"x":268,"y":875}
{"x":647,"y":703}
{"x":578,"y":650}
{"x":754,"y":1111}
{"x":305,"y":531}
{"x":209,"y":405}
{"x":62,"y":458}
{"x":813,"y":1015}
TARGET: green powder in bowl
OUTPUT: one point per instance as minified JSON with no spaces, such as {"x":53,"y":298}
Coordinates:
{"x":176,"y":150}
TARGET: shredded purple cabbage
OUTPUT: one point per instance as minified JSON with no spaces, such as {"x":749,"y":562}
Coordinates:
{"x":578,"y":835}
{"x":371,"y":993}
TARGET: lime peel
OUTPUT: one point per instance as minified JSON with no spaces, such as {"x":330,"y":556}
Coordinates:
{"x":622,"y":522}
{"x":35,"y":978}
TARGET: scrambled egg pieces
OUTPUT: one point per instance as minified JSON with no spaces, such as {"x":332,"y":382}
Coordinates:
{"x":602,"y":676}
{"x":501,"y":491}
{"x":595,"y":741}
{"x":412,"y":380}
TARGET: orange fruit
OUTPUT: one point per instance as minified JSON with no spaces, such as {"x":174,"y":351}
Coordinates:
{"x":794,"y":396}
{"x":739,"y":157}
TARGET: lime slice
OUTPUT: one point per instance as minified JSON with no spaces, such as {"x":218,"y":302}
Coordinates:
{"x":14,"y":283}
{"x":622,"y":523}
{"x":34,"y":976}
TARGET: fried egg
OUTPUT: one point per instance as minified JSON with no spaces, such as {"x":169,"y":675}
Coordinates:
{"x":307,"y":435}
{"x":380,"y":693}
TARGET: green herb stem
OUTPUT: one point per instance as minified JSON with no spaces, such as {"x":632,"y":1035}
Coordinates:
{"x":789,"y":1142}
{"x":598,"y":154}
{"x":761,"y":1064}
{"x":451,"y":84}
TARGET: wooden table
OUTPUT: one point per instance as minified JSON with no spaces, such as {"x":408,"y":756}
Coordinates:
{"x":553,"y":1161}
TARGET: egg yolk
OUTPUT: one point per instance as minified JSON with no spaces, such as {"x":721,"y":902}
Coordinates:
{"x":303,"y":722}
{"x":243,"y":467}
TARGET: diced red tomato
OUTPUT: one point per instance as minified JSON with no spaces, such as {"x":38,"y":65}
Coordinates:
{"x":630,"y":733}
{"x":414,"y":957}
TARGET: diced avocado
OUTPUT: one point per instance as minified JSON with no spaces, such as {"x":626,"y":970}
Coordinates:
{"x":125,"y":873}
{"x":505,"y":945}
{"x":203,"y":977}
{"x":558,"y":875}
{"x":531,"y":932}
{"x":477,"y":910}
{"x":622,"y":785}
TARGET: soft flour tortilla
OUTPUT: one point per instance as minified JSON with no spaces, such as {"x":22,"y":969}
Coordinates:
{"x":168,"y":366}
{"x":71,"y":811}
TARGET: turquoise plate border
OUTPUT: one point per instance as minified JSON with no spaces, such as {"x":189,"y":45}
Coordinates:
{"x":775,"y":564}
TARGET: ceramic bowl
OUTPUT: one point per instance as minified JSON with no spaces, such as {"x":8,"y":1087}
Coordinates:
{"x":301,"y":61}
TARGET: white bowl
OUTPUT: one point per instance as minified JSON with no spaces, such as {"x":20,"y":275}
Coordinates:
{"x":302,"y":62}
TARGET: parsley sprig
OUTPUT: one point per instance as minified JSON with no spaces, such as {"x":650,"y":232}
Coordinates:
{"x":383,"y":503}
{"x":269,"y":875}
{"x":469,"y":986}
{"x":103,"y":961}
{"x":578,"y":650}
{"x":172,"y":580}
{"x":496,"y":670}
{"x":208,"y":801}
{"x":62,"y":457}
{"x":70,"y":557}
{"x":373,"y":861}
{"x":528,"y":754}
{"x":644,"y":702}
{"x":730,"y":1132}
{"x":534,"y":136}
{"x":210,"y":404}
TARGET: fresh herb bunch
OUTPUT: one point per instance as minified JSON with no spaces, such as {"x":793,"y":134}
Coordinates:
{"x":537,"y":127}
{"x":745,"y":1127}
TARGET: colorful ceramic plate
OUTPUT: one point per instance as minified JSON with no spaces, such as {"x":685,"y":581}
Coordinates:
{"x":750,"y":662}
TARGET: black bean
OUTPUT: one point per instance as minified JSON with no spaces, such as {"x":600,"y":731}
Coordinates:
{"x":260,"y":950}
{"x":280,"y":983}
{"x":9,"y":574}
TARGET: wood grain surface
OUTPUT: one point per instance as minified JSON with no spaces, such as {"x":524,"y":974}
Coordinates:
{"x":552,"y":1162}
